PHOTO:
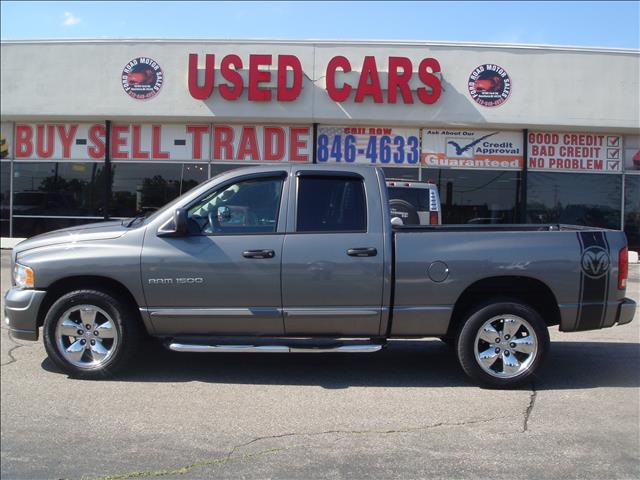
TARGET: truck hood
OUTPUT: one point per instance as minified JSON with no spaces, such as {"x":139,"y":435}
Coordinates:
{"x":93,"y":231}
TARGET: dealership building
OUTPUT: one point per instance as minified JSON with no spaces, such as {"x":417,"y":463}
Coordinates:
{"x":99,"y":129}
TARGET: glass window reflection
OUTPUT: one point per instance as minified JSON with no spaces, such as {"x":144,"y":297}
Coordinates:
{"x":411,"y":174}
{"x":476,"y":197}
{"x":142,"y":187}
{"x":574,"y":198}
{"x":5,"y":193}
{"x":56,"y":188}
{"x":632,"y":210}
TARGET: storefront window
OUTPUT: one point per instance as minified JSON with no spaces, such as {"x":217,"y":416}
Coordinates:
{"x":632,"y":210}
{"x":58,"y":189}
{"x":5,"y":197}
{"x":144,"y":187}
{"x":410,"y":174}
{"x":218,"y":168}
{"x":476,"y":196}
{"x":574,"y":198}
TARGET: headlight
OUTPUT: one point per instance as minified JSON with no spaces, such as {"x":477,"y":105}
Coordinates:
{"x":23,"y":276}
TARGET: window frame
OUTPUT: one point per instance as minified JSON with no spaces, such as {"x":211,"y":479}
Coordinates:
{"x":329,"y":174}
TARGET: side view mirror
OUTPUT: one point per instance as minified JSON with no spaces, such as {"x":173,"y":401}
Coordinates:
{"x":180,"y":221}
{"x":177,"y":227}
{"x":397,"y":222}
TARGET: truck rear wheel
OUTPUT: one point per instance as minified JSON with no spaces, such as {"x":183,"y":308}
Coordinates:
{"x":502,"y":344}
{"x":90,"y":334}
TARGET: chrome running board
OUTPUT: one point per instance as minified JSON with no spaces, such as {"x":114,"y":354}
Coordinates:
{"x":185,"y":347}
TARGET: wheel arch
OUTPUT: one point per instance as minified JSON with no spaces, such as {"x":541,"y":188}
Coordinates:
{"x":527,"y":290}
{"x":83,"y":282}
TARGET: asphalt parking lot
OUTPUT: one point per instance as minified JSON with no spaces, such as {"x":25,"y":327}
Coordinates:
{"x":406,"y":412}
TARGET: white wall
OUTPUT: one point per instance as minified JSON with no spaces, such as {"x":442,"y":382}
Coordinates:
{"x":553,"y":88}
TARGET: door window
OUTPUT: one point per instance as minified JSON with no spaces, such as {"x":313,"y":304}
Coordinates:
{"x":248,"y":206}
{"x":331,"y":204}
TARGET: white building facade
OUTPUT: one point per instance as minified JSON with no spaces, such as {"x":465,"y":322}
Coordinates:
{"x":510,"y":134}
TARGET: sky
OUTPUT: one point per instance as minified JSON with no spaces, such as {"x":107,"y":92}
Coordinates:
{"x":593,"y":24}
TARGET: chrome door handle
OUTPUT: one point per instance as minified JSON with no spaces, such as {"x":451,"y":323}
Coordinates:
{"x":258,"y":254}
{"x":362,"y":252}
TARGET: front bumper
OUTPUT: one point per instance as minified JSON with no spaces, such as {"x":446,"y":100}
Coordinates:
{"x":21,"y":312}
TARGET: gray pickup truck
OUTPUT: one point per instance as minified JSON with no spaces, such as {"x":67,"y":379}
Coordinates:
{"x":303,"y":258}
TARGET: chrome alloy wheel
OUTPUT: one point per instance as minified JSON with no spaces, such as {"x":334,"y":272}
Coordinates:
{"x":506,"y":346}
{"x":86,"y":336}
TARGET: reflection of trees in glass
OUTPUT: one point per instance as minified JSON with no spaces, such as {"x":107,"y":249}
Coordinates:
{"x":95,"y":191}
{"x":136,"y":189}
{"x":188,"y":185}
{"x":83,"y":195}
{"x":53,"y":184}
{"x":156,"y":191}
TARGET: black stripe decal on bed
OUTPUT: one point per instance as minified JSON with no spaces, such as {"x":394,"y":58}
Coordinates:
{"x":594,"y":280}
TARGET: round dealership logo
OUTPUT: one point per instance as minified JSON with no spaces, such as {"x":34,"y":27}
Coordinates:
{"x":489,"y":85}
{"x":595,"y":262}
{"x":142,"y":78}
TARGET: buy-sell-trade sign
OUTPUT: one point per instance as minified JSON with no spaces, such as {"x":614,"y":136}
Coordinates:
{"x":472,"y":149}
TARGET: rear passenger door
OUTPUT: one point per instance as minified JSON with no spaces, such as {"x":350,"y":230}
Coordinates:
{"x":332,"y":261}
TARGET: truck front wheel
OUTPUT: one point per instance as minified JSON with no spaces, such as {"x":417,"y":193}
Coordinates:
{"x":502,"y":344}
{"x":90,"y":333}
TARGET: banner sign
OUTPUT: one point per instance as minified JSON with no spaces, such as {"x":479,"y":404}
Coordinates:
{"x":6,"y":140}
{"x":472,"y":149}
{"x":575,"y":152}
{"x":259,"y":74}
{"x":170,"y":142}
{"x":384,"y":146}
{"x":59,"y":141}
{"x":258,"y":143}
{"x":160,"y":142}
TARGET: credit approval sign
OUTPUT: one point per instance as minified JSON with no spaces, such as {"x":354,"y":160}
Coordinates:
{"x":472,"y":149}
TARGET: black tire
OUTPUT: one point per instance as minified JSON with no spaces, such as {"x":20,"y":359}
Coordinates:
{"x":448,"y":341}
{"x":405,"y":211}
{"x":123,"y":319}
{"x":470,"y":332}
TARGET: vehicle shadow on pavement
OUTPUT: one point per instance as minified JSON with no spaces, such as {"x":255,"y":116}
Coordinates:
{"x":571,"y":365}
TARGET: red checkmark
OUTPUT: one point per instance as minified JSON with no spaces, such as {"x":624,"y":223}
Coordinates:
{"x":613,"y":141}
{"x":613,"y":153}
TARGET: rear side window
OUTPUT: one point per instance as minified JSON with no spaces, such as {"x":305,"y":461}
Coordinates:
{"x":331,"y":204}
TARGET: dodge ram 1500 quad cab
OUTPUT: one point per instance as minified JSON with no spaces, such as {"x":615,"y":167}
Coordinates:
{"x":304,"y":258}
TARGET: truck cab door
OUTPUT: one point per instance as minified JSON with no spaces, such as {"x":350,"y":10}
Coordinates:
{"x":333,"y":255}
{"x":223,"y":278}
